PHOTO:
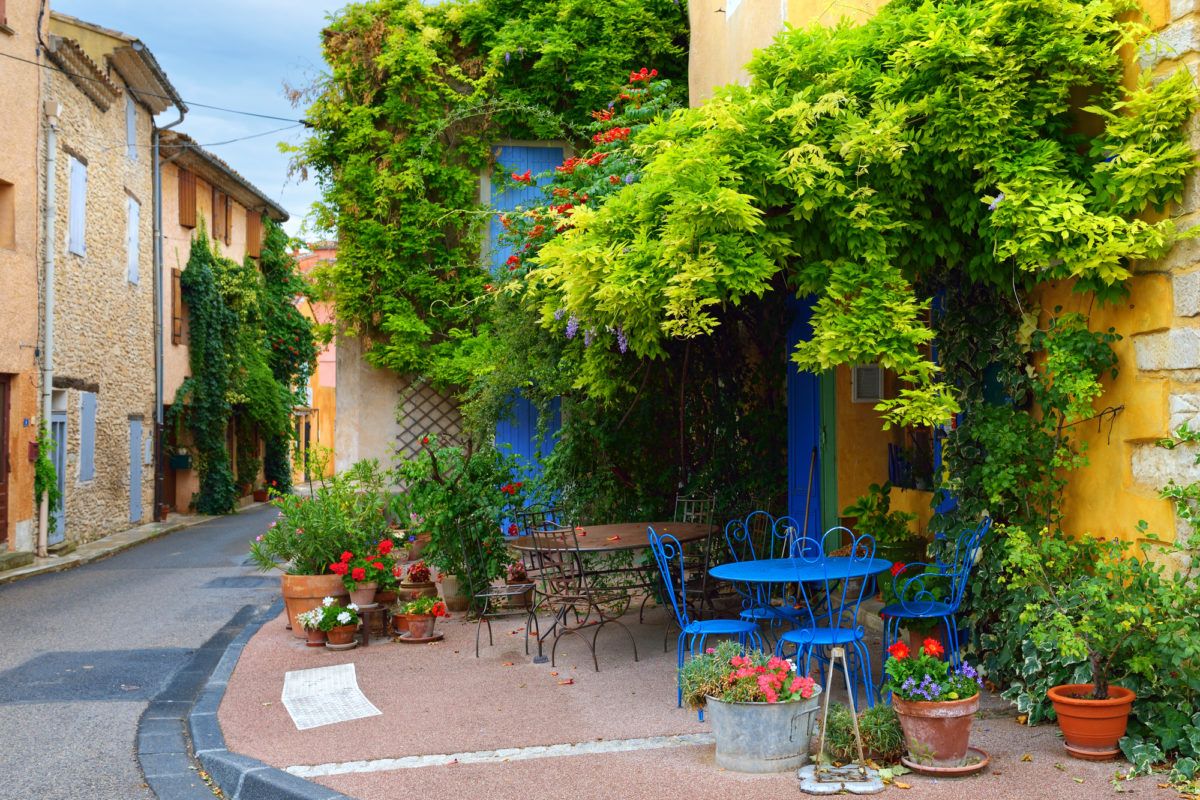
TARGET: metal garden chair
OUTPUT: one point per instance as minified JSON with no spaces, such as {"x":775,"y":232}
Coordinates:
{"x":566,"y":592}
{"x":492,"y":595}
{"x":761,"y":536}
{"x":669,"y":555}
{"x":828,"y":612}
{"x":936,"y":590}
{"x":698,"y":509}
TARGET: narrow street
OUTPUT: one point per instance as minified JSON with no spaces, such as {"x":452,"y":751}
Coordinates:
{"x":85,"y":650}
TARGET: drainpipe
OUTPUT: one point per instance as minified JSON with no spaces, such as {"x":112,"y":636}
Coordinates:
{"x":159,"y":472}
{"x":51,"y":110}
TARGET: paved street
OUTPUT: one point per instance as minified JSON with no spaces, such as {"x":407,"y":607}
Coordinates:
{"x":85,"y":650}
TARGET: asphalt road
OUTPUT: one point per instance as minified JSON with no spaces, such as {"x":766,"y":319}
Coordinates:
{"x":82,"y":652}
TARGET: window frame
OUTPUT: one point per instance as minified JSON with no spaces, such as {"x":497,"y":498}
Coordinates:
{"x":77,"y":206}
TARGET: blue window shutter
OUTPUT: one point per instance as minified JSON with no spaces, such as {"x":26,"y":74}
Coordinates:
{"x":131,"y":128}
{"x":132,"y":251}
{"x":87,"y":436}
{"x":76,"y":217}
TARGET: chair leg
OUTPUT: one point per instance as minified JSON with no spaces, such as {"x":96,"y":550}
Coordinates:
{"x":679,"y":663}
{"x":863,"y":657}
{"x":479,"y":622}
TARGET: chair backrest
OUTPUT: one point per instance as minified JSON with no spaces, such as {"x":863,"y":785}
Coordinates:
{"x":957,"y":559}
{"x":695,"y":508}
{"x":560,"y":565}
{"x":834,"y":600}
{"x":669,"y":555}
{"x":532,"y":517}
{"x":750,"y":537}
{"x":792,"y":542}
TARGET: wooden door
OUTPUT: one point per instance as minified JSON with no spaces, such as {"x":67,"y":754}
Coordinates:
{"x":5,"y":387}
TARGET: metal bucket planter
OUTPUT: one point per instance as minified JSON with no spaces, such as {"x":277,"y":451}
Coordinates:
{"x":762,"y":737}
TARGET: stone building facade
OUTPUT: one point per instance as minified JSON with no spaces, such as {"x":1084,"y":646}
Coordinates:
{"x":107,"y":89}
{"x":20,"y":223}
{"x":316,"y":420}
{"x":198,"y":187}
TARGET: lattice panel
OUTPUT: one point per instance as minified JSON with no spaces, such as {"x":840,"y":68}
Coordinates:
{"x":423,"y":410}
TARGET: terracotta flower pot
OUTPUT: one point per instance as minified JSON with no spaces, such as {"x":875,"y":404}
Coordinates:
{"x":316,"y":638}
{"x":1091,"y":728}
{"x":416,"y":546}
{"x":342,"y":634}
{"x":453,"y":593}
{"x":385,"y":597}
{"x":936,"y":733}
{"x":305,"y":592}
{"x":399,"y":623}
{"x":261,"y":496}
{"x":411,"y":591}
{"x":364,"y":595}
{"x":522,"y":600}
{"x":420,"y":626}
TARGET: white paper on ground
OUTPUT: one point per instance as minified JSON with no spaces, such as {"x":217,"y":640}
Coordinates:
{"x":323,"y":696}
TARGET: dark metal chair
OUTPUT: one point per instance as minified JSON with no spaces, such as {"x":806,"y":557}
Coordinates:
{"x":564,"y":589}
{"x":486,"y":599}
{"x":935,"y":590}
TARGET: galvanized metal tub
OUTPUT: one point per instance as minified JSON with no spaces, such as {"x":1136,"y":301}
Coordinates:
{"x":762,"y":737}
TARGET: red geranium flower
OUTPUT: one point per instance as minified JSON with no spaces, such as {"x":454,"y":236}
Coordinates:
{"x":897,"y":568}
{"x":346,"y":556}
{"x":933,"y":647}
{"x":377,"y":564}
{"x":898,"y":651}
{"x":439,"y":609}
{"x":385,"y":547}
{"x":359,"y":574}
{"x":513,"y":530}
{"x":338,"y":568}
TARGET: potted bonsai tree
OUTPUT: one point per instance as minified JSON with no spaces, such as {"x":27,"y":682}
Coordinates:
{"x":1093,"y":601}
{"x":935,"y":703}
{"x":762,"y":712}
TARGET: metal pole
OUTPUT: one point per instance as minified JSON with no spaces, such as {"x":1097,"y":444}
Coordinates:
{"x":51,"y":111}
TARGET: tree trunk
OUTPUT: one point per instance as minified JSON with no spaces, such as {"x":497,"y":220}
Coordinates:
{"x":1099,"y":677}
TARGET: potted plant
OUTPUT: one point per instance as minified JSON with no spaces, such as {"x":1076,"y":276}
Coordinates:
{"x":517,"y":574}
{"x":261,"y":495}
{"x":762,"y":712}
{"x":872,"y":513}
{"x":339,"y":622}
{"x":362,"y":574}
{"x":421,"y":614}
{"x":418,"y":582}
{"x":935,"y":703}
{"x":311,"y":532}
{"x":1095,"y":603}
{"x":310,"y":622}
{"x":918,"y":629}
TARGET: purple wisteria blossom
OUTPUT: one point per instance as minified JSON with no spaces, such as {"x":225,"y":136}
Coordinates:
{"x":588,"y":335}
{"x":558,"y":315}
{"x":507,"y":56}
{"x":629,"y":178}
{"x":572,"y":326}
{"x":622,"y":342}
{"x":995,"y":203}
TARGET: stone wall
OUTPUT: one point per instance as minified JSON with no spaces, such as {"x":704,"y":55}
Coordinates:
{"x":104,"y":324}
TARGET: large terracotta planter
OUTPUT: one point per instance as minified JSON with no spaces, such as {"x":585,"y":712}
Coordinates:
{"x":411,"y":591}
{"x":364,"y":595}
{"x":342,"y":634}
{"x":937,"y":733}
{"x":305,"y":592}
{"x":454,"y":594}
{"x":762,"y":737}
{"x":1091,"y":728}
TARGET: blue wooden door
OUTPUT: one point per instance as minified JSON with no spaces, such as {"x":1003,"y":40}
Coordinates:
{"x":520,"y":430}
{"x":58,"y":434}
{"x":805,"y":459}
{"x":135,"y":470}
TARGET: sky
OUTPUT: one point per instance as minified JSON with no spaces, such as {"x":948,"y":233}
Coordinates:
{"x":236,"y":54}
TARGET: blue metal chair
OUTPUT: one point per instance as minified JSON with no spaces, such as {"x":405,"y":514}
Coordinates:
{"x":669,"y":555}
{"x":829,"y":614}
{"x":758,"y":536}
{"x":936,"y":590}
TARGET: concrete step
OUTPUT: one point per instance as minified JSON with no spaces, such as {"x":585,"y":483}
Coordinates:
{"x":15,"y":559}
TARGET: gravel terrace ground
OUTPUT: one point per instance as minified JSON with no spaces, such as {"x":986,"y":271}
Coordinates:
{"x":438,"y":699}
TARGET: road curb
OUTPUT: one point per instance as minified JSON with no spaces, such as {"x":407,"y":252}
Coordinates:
{"x":239,"y":777}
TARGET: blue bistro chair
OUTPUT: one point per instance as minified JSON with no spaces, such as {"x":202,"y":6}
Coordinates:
{"x":935,"y":591}
{"x":669,"y":555}
{"x":761,"y":536}
{"x":828,"y":613}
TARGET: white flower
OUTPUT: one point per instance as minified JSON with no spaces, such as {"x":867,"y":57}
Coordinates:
{"x":344,"y":617}
{"x":791,"y":664}
{"x":328,"y":601}
{"x":353,"y":607}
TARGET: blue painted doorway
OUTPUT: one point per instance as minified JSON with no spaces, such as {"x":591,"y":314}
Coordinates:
{"x":520,"y":430}
{"x":806,"y":446}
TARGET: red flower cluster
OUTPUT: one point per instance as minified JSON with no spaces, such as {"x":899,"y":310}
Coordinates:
{"x":439,"y":609}
{"x":537,"y":231}
{"x":611,"y":135}
{"x":568,"y":166}
{"x":898,"y":651}
{"x":562,"y":209}
{"x":771,"y":678}
{"x":643,"y":75}
{"x":523,"y":177}
{"x":513,"y":262}
{"x":418,"y":573}
{"x":897,"y":568}
{"x":614,"y":179}
{"x":595,"y":159}
{"x":513,"y":529}
{"x":512,"y":488}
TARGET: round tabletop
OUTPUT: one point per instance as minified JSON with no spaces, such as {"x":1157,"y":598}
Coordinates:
{"x":624,"y":535}
{"x":793,"y":570}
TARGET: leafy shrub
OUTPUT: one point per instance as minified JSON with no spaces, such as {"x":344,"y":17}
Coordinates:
{"x":883,"y":740}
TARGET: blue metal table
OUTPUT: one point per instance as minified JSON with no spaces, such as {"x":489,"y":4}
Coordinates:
{"x":798,"y":570}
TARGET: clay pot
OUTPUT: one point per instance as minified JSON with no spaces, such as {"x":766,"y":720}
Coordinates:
{"x":261,"y":496}
{"x":1091,"y":728}
{"x":420,"y":626}
{"x":411,"y":591}
{"x":416,"y":546}
{"x":523,"y":600}
{"x":364,"y":595}
{"x":399,"y":623}
{"x":342,"y":634}
{"x":452,"y":593}
{"x":316,"y":638}
{"x":937,"y":733}
{"x":305,"y":592}
{"x":385,"y":597}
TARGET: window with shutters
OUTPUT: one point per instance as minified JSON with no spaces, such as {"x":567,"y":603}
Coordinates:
{"x":220,"y":216}
{"x":77,"y":209}
{"x":133,"y":217}
{"x":253,"y":233}
{"x":87,"y":436}
{"x":131,"y":128}
{"x":176,"y":306}
{"x":228,"y":218}
{"x":187,"y":199}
